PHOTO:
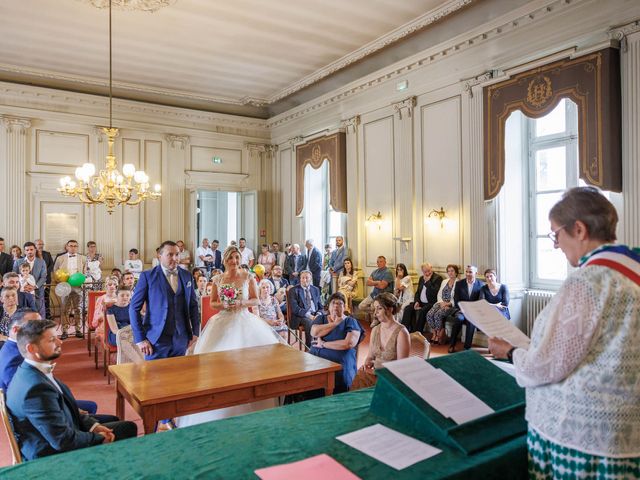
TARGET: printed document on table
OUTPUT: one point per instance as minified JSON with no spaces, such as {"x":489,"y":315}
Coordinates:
{"x":388,"y":446}
{"x":439,"y":390}
{"x":487,"y":318}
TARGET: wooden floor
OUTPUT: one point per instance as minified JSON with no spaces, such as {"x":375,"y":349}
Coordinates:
{"x":75,"y":368}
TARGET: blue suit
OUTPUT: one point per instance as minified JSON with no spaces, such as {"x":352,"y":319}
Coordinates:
{"x":39,"y":272}
{"x":46,"y":420}
{"x":171,"y":319}
{"x":336,"y":262}
{"x":10,"y":360}
{"x":461,"y":294}
{"x":301,"y":309}
{"x":315,"y":265}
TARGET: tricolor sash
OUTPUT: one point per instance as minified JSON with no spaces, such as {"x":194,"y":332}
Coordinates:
{"x":618,"y":257}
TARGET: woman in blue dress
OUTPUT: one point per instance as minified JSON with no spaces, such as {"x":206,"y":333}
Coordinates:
{"x":338,"y":336}
{"x":496,"y":293}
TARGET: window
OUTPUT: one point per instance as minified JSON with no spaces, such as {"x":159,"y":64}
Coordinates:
{"x":321,"y":222}
{"x":552,"y":168}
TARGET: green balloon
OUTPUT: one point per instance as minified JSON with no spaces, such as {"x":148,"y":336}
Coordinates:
{"x":76,"y":280}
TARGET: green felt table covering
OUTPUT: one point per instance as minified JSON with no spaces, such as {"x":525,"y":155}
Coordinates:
{"x":235,"y":447}
{"x":399,"y":405}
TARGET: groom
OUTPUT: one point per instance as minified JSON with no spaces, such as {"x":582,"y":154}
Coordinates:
{"x":171,"y":322}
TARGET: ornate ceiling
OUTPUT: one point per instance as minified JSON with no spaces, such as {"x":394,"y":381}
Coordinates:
{"x":239,"y":56}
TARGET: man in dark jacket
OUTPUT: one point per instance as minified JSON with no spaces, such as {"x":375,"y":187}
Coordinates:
{"x":414,"y":316}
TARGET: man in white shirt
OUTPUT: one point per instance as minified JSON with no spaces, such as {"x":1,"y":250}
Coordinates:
{"x":184,"y":256}
{"x":44,"y":412}
{"x":134,"y":264}
{"x":202,"y":252}
{"x":246,"y":253}
{"x":72,"y":262}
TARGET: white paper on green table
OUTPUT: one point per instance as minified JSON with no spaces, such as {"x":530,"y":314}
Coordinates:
{"x":389,"y":446}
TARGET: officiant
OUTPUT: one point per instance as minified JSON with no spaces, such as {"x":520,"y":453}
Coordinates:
{"x":581,"y":368}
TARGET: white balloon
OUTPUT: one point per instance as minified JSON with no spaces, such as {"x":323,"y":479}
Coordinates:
{"x":63,"y":289}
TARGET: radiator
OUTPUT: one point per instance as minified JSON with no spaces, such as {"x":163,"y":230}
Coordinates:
{"x":535,"y":301}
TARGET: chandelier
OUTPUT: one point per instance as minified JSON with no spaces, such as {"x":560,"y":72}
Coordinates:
{"x":109,"y":187}
{"x":143,"y":5}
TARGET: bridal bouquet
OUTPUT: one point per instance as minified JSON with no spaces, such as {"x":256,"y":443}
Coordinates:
{"x":228,"y":294}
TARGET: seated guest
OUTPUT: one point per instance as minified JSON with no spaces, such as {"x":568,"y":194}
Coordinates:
{"x":105,"y":301}
{"x":120,"y":312}
{"x":305,"y":304}
{"x":443,"y":307}
{"x":266,"y":259}
{"x":269,"y":307}
{"x":414,"y":318}
{"x":197,"y":272}
{"x":381,"y":279}
{"x":201,"y":284}
{"x":347,"y":283}
{"x":466,"y":290}
{"x":9,"y":306}
{"x":338,"y":335}
{"x":280,"y":285}
{"x":128,"y":280}
{"x":25,"y":300}
{"x":389,"y":340}
{"x":403,"y":289}
{"x":116,"y":272}
{"x":156,"y":261}
{"x":133,"y":264}
{"x":209,"y":288}
{"x":43,"y":410}
{"x":11,"y":358}
{"x":496,"y":293}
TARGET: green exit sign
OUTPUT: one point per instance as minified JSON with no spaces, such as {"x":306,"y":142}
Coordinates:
{"x":217,"y":160}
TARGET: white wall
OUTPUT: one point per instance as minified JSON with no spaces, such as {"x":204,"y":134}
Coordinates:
{"x":411,"y":152}
{"x":46,"y":134}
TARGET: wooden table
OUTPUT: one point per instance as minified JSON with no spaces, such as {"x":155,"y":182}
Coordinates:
{"x":179,"y":386}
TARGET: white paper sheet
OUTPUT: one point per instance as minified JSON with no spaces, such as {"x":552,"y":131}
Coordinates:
{"x":388,"y":446}
{"x":488,"y":319}
{"x":439,"y":390}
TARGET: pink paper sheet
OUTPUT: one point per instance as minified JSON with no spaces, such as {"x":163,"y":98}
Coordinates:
{"x":320,"y":467}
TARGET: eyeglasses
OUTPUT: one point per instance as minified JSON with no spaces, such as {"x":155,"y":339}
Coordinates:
{"x":553,"y":234}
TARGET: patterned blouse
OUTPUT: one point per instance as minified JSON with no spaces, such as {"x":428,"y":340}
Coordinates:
{"x":581,"y":371}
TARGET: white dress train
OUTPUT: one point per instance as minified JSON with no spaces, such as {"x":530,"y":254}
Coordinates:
{"x":230,"y":330}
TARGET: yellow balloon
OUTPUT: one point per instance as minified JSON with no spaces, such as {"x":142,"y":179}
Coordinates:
{"x":61,"y":275}
{"x":259,"y":270}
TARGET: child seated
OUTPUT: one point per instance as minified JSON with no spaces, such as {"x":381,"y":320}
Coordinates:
{"x":26,"y":278}
{"x":120,"y":312}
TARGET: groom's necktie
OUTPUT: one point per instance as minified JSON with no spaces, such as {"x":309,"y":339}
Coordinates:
{"x":172,"y":276}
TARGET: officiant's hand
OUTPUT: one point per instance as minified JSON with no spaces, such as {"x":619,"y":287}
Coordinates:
{"x":145,"y":347}
{"x":193,"y":340}
{"x":499,"y":348}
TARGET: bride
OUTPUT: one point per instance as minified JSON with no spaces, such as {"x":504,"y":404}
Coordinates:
{"x":234,"y":327}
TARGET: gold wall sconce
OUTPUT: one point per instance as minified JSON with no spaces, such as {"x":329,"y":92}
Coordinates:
{"x":375,"y":219}
{"x":439,"y":215}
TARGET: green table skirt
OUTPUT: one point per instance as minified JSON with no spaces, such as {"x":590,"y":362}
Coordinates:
{"x":235,"y":447}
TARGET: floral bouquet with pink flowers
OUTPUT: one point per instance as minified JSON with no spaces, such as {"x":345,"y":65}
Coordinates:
{"x":228,"y":294}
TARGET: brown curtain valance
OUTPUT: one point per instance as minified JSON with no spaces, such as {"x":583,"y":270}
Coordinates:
{"x":593,"y":83}
{"x":314,"y":152}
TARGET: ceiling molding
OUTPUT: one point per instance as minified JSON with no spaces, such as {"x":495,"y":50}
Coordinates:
{"x":399,"y":33}
{"x":474,"y":38}
{"x":30,"y":97}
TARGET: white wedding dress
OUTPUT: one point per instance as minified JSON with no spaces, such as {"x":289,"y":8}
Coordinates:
{"x":230,"y":330}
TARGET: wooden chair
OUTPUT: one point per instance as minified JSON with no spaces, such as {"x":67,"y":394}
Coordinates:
{"x":128,"y":351}
{"x":109,"y":325}
{"x":92,"y":296}
{"x":420,"y":347}
{"x":8,"y":430}
{"x":298,"y":333}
